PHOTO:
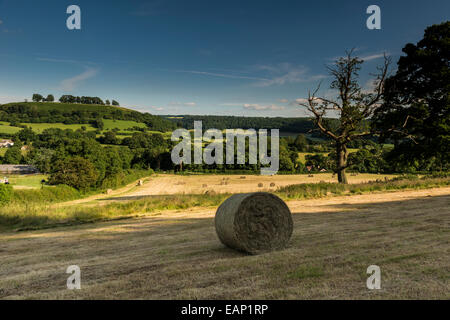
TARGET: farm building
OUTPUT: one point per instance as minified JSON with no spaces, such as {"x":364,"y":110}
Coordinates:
{"x":6,"y":143}
{"x":18,"y":168}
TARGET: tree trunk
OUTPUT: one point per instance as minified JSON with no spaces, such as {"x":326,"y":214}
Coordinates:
{"x":342,"y":154}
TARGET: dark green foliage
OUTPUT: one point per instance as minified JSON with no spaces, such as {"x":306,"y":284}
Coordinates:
{"x":25,"y":135}
{"x":417,"y":103}
{"x":370,"y":160}
{"x":75,"y":172}
{"x":109,"y":137}
{"x":37,"y":97}
{"x":13,"y":156}
{"x":301,"y":125}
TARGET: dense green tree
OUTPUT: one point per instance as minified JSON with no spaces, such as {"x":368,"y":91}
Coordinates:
{"x":50,"y":98}
{"x":76,"y":172}
{"x":417,"y":103}
{"x":25,"y":135}
{"x":37,"y":97}
{"x":115,"y":103}
{"x":109,"y":137}
{"x":286,"y":163}
{"x":13,"y":155}
{"x":41,"y":158}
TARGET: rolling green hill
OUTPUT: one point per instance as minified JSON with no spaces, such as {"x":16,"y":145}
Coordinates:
{"x":43,"y":115}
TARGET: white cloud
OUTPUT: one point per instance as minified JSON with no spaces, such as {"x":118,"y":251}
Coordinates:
{"x":181,"y":104}
{"x":256,"y":106}
{"x":222,"y":75}
{"x":7,"y":99}
{"x":233,"y":104}
{"x":71,"y":83}
{"x":284,"y":100}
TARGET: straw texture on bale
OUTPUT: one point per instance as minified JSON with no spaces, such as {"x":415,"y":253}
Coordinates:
{"x":254,"y":222}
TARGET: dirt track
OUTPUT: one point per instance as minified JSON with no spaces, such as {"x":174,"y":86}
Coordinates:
{"x":177,"y":254}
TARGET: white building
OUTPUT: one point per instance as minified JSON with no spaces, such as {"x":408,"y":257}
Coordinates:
{"x":6,"y":143}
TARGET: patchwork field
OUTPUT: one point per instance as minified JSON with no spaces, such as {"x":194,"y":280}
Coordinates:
{"x":176,"y":254}
{"x":109,"y":124}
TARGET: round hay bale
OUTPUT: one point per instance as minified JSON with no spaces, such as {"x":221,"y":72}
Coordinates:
{"x":260,"y":185}
{"x":254,"y":222}
{"x":272,"y":184}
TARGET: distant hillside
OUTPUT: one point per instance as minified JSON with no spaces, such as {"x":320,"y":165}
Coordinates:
{"x":292,"y":125}
{"x":74,"y":113}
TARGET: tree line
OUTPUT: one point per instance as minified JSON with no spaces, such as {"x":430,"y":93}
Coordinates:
{"x":74,"y":99}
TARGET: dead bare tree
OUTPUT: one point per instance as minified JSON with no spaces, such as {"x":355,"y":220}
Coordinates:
{"x":353,"y":105}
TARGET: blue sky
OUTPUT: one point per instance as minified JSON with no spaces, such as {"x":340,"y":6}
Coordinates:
{"x":244,"y":58}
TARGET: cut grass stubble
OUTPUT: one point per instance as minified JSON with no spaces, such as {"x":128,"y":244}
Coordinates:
{"x":26,"y":216}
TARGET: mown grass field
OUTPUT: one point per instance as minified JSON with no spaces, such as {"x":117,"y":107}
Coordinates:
{"x":36,"y":209}
{"x":30,"y":181}
{"x":176,"y":254}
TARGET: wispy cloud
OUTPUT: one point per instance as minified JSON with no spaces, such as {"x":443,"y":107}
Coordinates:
{"x":259,"y":107}
{"x":222,"y":75}
{"x":285,"y":73}
{"x":56,"y":60}
{"x":70,"y":84}
{"x":374,"y":56}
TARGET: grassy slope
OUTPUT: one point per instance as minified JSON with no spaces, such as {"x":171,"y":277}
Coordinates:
{"x":110,"y":124}
{"x":68,"y":106}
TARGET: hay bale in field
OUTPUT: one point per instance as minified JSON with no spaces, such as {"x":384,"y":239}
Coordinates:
{"x":254,"y":222}
{"x":272,"y":184}
{"x":260,"y":185}
{"x":242,"y":177}
{"x":210,"y":192}
{"x":204,"y":185}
